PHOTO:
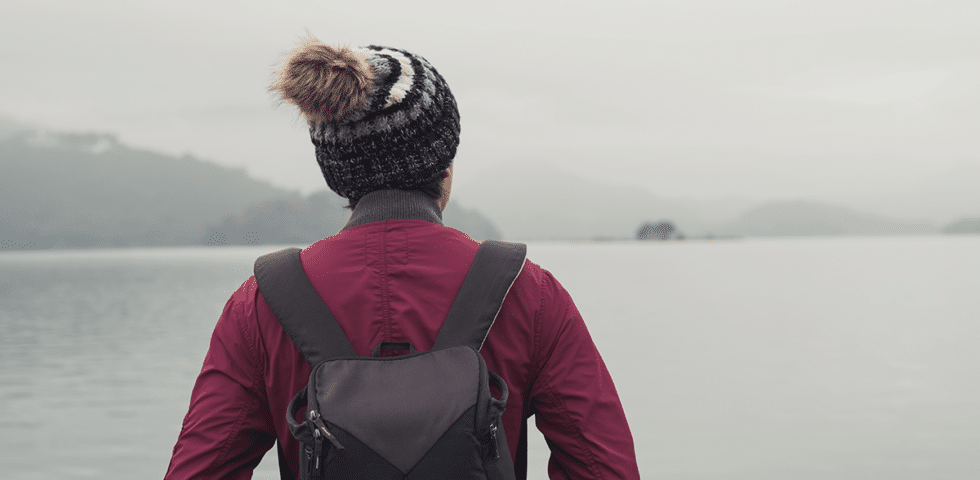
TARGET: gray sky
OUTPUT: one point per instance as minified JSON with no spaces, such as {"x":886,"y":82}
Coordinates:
{"x":685,"y":98}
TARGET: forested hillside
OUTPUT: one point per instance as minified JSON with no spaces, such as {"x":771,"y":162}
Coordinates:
{"x":68,"y":190}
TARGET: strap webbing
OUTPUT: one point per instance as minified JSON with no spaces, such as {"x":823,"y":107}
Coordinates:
{"x":494,"y":270}
{"x":292,"y":298}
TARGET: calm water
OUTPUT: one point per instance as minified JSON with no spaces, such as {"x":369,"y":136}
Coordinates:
{"x":755,"y":359}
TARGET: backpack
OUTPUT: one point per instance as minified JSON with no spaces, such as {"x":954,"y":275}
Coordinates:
{"x":421,"y":415}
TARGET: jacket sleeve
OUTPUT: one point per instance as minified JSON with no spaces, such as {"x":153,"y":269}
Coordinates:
{"x":573,"y":398}
{"x":227,"y":428}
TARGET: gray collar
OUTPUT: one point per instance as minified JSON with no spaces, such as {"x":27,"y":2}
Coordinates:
{"x":395,"y":205}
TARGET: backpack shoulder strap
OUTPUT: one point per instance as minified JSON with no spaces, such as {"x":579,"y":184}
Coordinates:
{"x":495,"y":269}
{"x":302,"y":313}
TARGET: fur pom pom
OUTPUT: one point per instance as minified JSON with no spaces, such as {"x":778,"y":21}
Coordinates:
{"x":327,"y":84}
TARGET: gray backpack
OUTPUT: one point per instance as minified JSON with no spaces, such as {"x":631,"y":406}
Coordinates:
{"x":421,"y":415}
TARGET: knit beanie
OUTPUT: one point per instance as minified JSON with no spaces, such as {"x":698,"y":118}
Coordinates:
{"x":379,"y":117}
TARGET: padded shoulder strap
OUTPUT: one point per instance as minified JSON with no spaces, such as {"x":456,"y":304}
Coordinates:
{"x":302,"y":313}
{"x":489,"y":279}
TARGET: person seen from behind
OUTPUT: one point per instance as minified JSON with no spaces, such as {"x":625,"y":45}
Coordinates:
{"x":385,"y":128}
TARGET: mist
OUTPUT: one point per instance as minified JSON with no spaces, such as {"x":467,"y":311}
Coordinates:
{"x":768,"y":100}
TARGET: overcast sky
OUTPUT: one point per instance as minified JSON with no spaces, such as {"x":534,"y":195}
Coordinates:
{"x":686,"y":98}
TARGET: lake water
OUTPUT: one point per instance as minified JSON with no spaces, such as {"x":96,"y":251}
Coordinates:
{"x":832,"y":358}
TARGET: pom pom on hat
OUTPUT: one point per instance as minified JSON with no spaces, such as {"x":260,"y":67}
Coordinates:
{"x":327,"y":84}
{"x":379,"y":117}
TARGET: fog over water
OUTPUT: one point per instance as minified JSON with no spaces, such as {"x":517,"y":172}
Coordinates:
{"x":757,"y":359}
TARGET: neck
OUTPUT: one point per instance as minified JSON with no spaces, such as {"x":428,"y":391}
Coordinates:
{"x":395,"y":205}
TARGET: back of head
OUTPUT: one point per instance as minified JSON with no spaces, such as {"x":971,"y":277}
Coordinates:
{"x":379,"y":117}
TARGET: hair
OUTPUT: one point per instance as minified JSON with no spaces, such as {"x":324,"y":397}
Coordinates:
{"x":432,"y":188}
{"x":327,"y":84}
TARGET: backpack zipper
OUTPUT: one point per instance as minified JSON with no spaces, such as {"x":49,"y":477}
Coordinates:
{"x":321,"y":428}
{"x":319,"y":432}
{"x":317,"y":453}
{"x":309,"y":459}
{"x":493,"y":442}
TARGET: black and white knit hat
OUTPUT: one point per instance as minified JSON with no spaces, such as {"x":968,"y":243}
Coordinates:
{"x":379,"y":117}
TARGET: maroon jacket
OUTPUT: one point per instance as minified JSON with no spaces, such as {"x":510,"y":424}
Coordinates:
{"x":391,"y":275}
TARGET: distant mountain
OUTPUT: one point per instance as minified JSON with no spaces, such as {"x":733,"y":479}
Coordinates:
{"x":963,"y":226}
{"x":70,"y":190}
{"x":10,"y":128}
{"x":942,"y":198}
{"x":536,"y":201}
{"x":81,"y":190}
{"x":471,"y":221}
{"x":305,"y":220}
{"x":799,"y":218}
{"x":286,"y":219}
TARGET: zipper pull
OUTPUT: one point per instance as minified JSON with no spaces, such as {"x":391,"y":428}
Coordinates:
{"x":317,"y":450}
{"x":321,"y":428}
{"x":493,"y":440}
